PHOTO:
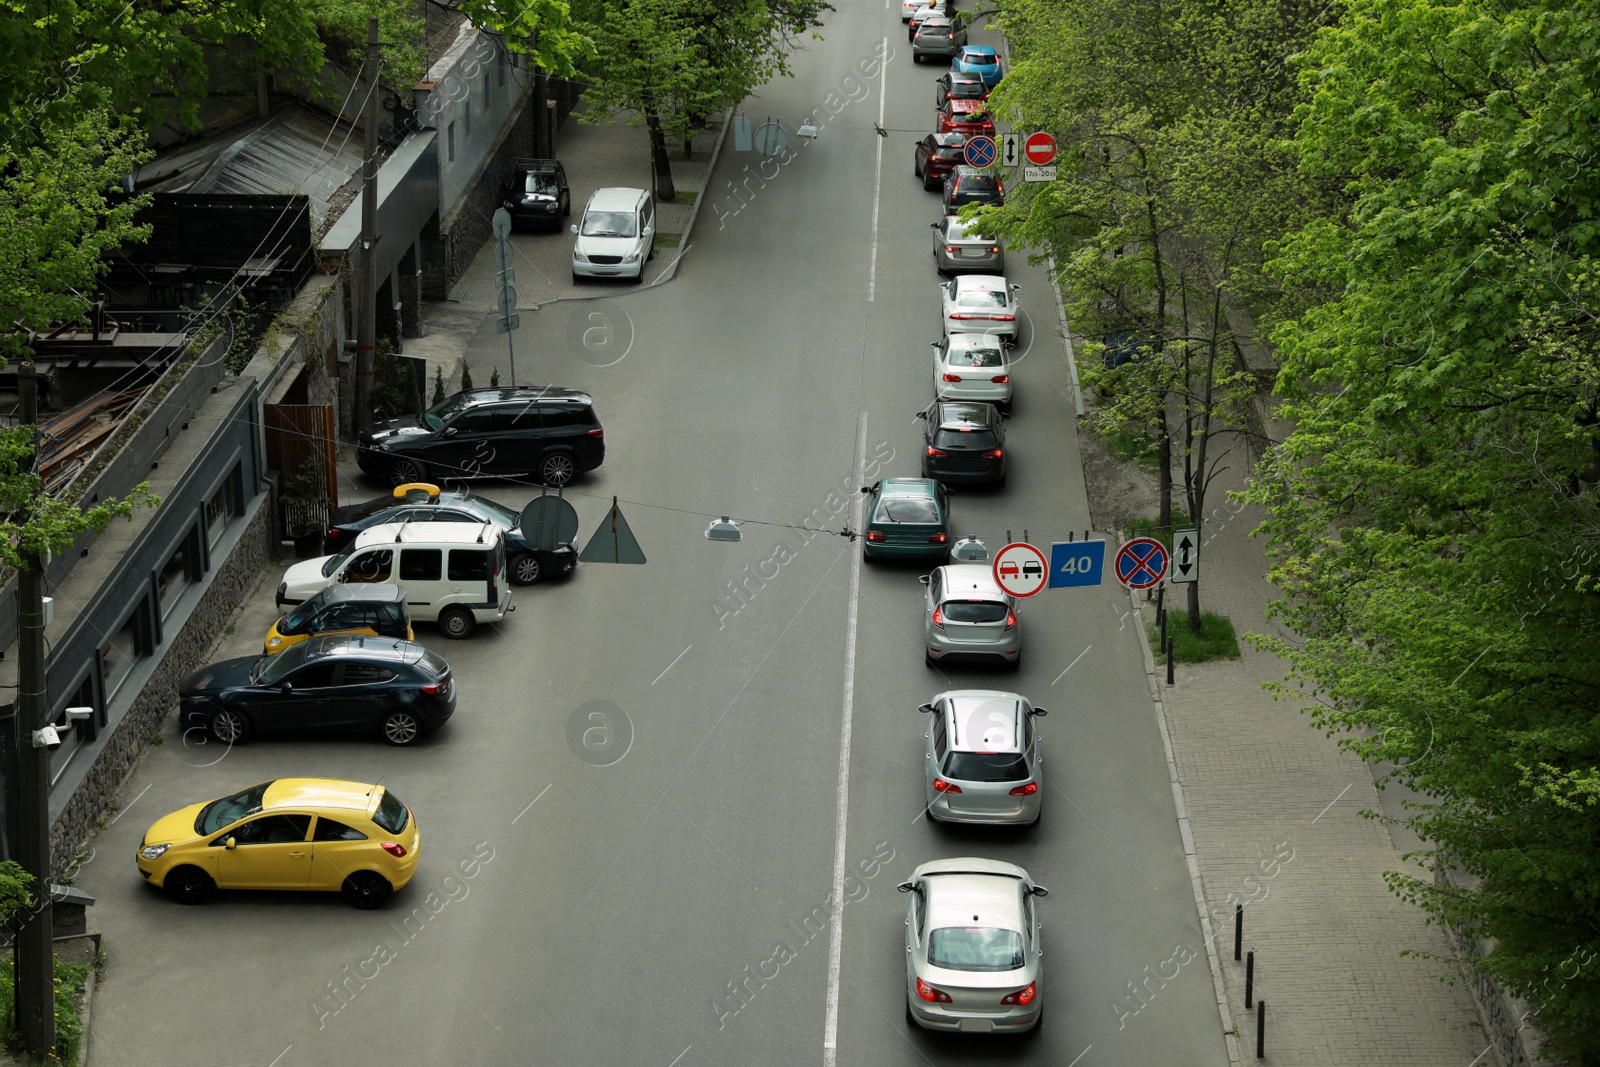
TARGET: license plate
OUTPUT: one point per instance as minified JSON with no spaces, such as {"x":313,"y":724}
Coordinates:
{"x":976,"y":1026}
{"x":973,"y":252}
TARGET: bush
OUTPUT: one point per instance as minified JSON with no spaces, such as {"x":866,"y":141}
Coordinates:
{"x":1215,"y":640}
{"x":70,"y":981}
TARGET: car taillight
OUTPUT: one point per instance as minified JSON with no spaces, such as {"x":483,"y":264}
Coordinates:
{"x":1001,"y":379}
{"x":937,"y":539}
{"x":938,"y":617}
{"x":394,"y":848}
{"x":874,"y":535}
{"x":334,"y":533}
{"x":1011,"y":620}
{"x":597,"y":432}
{"x":961,"y":315}
{"x":938,"y":996}
{"x":952,"y":377}
{"x":1003,"y":318}
{"x":1023,"y":996}
{"x":435,"y":688}
{"x":995,"y":248}
{"x":995,"y":453}
{"x":942,"y":786}
{"x":934,"y":451}
{"x":951,"y":250}
{"x":1025,"y":790}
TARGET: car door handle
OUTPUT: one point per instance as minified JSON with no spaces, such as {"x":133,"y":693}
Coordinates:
{"x":297,"y":855}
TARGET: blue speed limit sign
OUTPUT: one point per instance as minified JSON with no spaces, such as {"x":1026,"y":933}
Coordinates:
{"x":980,"y":151}
{"x":1076,"y":563}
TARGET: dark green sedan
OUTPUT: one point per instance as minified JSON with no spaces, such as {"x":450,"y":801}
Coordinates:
{"x":907,"y":518}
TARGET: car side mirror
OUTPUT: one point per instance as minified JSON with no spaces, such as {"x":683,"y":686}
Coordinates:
{"x":1016,"y":288}
{"x":933,"y":225}
{"x":230,"y":843}
{"x":448,"y":431}
{"x":573,"y":230}
{"x":1040,"y":891}
{"x":925,"y":708}
{"x":1040,"y":711}
{"x":905,"y":887}
{"x":1005,"y":416}
{"x":648,"y":231}
{"x":924,"y":578}
{"x":922,"y":414}
{"x":933,"y":344}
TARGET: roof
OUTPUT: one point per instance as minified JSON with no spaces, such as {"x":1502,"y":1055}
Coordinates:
{"x":962,"y":579}
{"x":958,"y":899}
{"x":368,"y":646}
{"x":961,"y":414}
{"x":320,"y":793}
{"x":524,"y":393}
{"x":967,"y":106}
{"x":429,"y":533}
{"x":346,"y":591}
{"x":979,"y":50}
{"x":950,"y":140}
{"x":985,"y":282}
{"x":538,"y":166}
{"x":616,"y":197}
{"x":976,"y":726}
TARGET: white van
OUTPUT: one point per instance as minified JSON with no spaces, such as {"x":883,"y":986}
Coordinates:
{"x":454,"y":573}
{"x":616,"y":235}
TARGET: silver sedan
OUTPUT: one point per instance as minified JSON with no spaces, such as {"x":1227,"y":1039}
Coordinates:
{"x":980,"y":303}
{"x":968,"y":616}
{"x":957,"y":249}
{"x":973,"y":947}
{"x":983,"y":762}
{"x":972,"y":366}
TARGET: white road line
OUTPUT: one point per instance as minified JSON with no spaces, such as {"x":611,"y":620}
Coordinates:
{"x":679,"y":1056}
{"x":671,"y":665}
{"x":1331,"y":803}
{"x":131,"y":803}
{"x":531,"y":803}
{"x":1080,"y":1056}
{"x":281,"y":1055}
{"x":841,"y":819}
{"x":1073,"y":664}
{"x":877,"y":180}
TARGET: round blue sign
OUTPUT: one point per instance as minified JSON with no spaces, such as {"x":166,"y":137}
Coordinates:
{"x":980,"y":151}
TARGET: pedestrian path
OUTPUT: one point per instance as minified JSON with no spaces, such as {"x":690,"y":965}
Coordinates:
{"x":1275,"y":811}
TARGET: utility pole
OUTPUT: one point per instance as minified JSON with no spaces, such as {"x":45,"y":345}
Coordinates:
{"x":367,"y":278}
{"x":36,"y":964}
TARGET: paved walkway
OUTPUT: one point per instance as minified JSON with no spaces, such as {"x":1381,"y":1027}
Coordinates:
{"x":1274,"y":808}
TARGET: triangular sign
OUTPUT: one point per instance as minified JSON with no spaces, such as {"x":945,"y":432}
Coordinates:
{"x":613,"y":542}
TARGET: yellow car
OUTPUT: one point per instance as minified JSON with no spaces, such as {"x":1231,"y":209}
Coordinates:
{"x":344,"y":609}
{"x":293,"y":833}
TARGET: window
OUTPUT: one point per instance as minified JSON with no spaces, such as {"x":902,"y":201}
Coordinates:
{"x":316,"y":676}
{"x":450,"y":143}
{"x":370,"y":566}
{"x":467,"y":113}
{"x":986,"y":767}
{"x":523,"y":417}
{"x":334,"y":830}
{"x":559,"y":416}
{"x":365,"y":674}
{"x":940,"y":733}
{"x":391,"y":815}
{"x":116,"y":659}
{"x":469,"y":565}
{"x":975,"y":948}
{"x":177,"y":574}
{"x":271,"y":830}
{"x":219,"y":813}
{"x":420,"y":564}
{"x":480,"y":421}
{"x":219,"y":509}
{"x":974,"y":611}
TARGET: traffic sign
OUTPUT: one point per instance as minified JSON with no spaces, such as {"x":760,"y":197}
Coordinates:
{"x":508,"y":302}
{"x":980,"y":151}
{"x":1040,"y":149}
{"x":507,"y":324}
{"x":1141,"y":563}
{"x":503,"y":256}
{"x":1186,"y":555}
{"x":1009,"y":156}
{"x":1075,"y":563}
{"x":613,"y":541}
{"x":500,"y":222}
{"x":1019,"y":569}
{"x":1039,"y":174}
{"x":548,"y":521}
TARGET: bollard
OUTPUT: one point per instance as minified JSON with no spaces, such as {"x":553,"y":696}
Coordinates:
{"x":1161,"y":617}
{"x":1249,"y":979}
{"x":1170,"y":641}
{"x":1238,"y":930}
{"x":1261,"y":1029}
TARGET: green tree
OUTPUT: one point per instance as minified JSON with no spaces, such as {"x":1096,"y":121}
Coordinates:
{"x":543,"y":30}
{"x":1434,"y":521}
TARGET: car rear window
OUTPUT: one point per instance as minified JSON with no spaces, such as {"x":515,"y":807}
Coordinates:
{"x":982,"y":298}
{"x":977,"y":183}
{"x":975,"y":948}
{"x":974,"y":611}
{"x":431,"y":664}
{"x":391,"y":815}
{"x":979,"y":59}
{"x":977,"y":357}
{"x":902,"y":509}
{"x":986,"y":767}
{"x":948,"y":438}
{"x":469,"y":565}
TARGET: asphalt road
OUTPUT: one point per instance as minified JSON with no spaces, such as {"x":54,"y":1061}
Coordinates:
{"x":660,"y":896}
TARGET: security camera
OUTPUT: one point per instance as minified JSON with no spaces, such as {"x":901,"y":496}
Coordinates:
{"x":47,"y":738}
{"x":74,"y":714}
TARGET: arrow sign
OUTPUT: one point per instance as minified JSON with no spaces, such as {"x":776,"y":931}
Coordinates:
{"x":1009,"y":157}
{"x":1185,"y":555}
{"x":508,"y":302}
{"x":507,"y":324}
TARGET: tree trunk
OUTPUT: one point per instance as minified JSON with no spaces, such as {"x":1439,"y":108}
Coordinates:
{"x":1164,"y":472}
{"x":665,"y":190}
{"x":1194,"y":605}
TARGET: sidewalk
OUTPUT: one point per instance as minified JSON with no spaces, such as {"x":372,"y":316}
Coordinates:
{"x":1274,"y":808}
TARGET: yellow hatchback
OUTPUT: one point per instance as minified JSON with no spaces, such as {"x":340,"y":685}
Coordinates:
{"x":344,"y":609}
{"x":293,"y":833}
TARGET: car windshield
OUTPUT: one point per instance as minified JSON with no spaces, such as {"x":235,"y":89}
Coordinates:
{"x":908,"y":509}
{"x":958,"y":438}
{"x":501,"y":515}
{"x":986,"y":766}
{"x":974,"y":611}
{"x":297,"y":617}
{"x":540,"y":185}
{"x":973,"y":116}
{"x":977,"y":357}
{"x":435,"y":417}
{"x":982,"y":298}
{"x":230,"y":809}
{"x":330,"y":568}
{"x":270,"y":669}
{"x":608,"y":224}
{"x":391,"y":814}
{"x":975,"y":948}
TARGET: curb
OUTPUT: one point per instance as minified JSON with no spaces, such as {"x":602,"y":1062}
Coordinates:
{"x":1230,"y":1031}
{"x":1066,"y":333}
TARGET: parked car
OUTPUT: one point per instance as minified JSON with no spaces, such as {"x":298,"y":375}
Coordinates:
{"x":969,"y":185}
{"x":961,"y":85}
{"x":964,"y":441}
{"x":452,"y":572}
{"x":379,"y":610}
{"x":972,"y":366}
{"x":346,"y":683}
{"x":967,"y":616}
{"x":553,"y":434}
{"x":936,"y":155}
{"x":938,"y":38}
{"x":980,"y":303}
{"x":292,"y":833}
{"x":959,"y":248}
{"x":537,"y":194}
{"x":983,"y":760}
{"x":909,"y":8}
{"x":980,"y":60}
{"x":425,"y":503}
{"x":907,"y":518}
{"x":970,"y":117}
{"x":925,"y":10}
{"x":974,"y":952}
{"x":616,"y":235}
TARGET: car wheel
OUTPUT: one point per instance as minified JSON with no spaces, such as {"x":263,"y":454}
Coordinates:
{"x":557,"y":469}
{"x":457,"y":623}
{"x":1039,"y":1022}
{"x":910,"y":1016}
{"x":928,"y":661}
{"x":229,"y":726}
{"x":188,"y":885}
{"x":566,"y":209}
{"x":1015,"y":665}
{"x":916,"y":57}
{"x":577,"y":279}
{"x":366,"y":890}
{"x":525,"y":569}
{"x":401,"y":728}
{"x":405,"y":471}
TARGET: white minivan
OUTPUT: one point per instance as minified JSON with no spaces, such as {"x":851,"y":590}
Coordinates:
{"x":454,"y":573}
{"x":615,"y":236}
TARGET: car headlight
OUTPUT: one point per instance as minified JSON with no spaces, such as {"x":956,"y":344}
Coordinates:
{"x":274,"y":642}
{"x":153,"y":852}
{"x":633,"y":257}
{"x":579,"y":257}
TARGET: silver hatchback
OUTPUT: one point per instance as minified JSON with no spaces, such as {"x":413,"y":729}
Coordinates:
{"x":958,"y":249}
{"x":983,"y":759}
{"x":974,"y":959}
{"x":968,"y":616}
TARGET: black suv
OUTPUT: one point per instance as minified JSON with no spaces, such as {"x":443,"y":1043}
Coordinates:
{"x":537,"y":193}
{"x":964,"y":441}
{"x":969,"y":185}
{"x":550,"y":433}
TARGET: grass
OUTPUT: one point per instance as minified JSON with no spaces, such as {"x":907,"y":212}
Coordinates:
{"x":669,"y":240}
{"x":686,"y":197}
{"x":70,"y":981}
{"x":1148,"y":528}
{"x":1215,"y":640}
{"x":1128,"y":447}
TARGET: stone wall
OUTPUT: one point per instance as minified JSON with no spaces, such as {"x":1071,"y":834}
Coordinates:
{"x":1507,"y":1019}
{"x":180,"y":656}
{"x":447,"y":253}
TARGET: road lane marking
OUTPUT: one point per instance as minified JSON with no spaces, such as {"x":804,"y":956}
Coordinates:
{"x":1079,"y":1056}
{"x":877,"y":179}
{"x":841,"y":818}
{"x":1073,"y":664}
{"x":673,"y":664}
{"x":679,"y":1056}
{"x":531,"y":803}
{"x":124,"y":811}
